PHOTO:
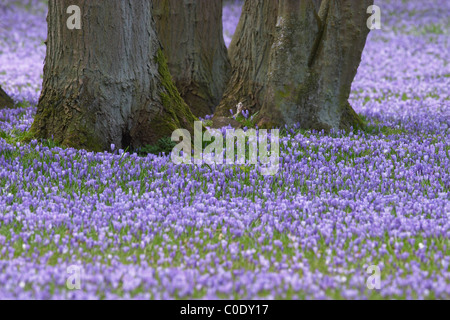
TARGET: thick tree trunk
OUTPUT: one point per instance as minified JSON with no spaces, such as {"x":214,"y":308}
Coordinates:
{"x":107,"y":83}
{"x":249,"y":53}
{"x":5,"y":100}
{"x":312,"y":61}
{"x":191,"y":33}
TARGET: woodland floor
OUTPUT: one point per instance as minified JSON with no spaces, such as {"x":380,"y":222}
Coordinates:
{"x":142,"y":227}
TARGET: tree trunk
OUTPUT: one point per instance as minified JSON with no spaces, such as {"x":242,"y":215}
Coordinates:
{"x":314,"y":63}
{"x":191,"y":33}
{"x":5,"y":100}
{"x":107,"y":83}
{"x":309,"y":66}
{"x":249,"y":53}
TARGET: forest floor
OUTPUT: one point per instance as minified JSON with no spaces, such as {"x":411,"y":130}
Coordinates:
{"x":142,"y":227}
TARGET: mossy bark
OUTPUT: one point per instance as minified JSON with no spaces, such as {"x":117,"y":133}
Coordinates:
{"x":191,"y":33}
{"x":311,"y":52}
{"x":107,"y":83}
{"x":313,"y":64}
{"x":5,"y":100}
{"x":249,"y":53}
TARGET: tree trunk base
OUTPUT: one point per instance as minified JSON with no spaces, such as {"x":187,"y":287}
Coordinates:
{"x":298,"y":66}
{"x":5,"y":100}
{"x":191,"y":34}
{"x":306,"y":105}
{"x":113,"y":85}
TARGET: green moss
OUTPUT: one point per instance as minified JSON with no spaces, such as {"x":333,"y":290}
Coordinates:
{"x":164,"y":8}
{"x":56,"y":120}
{"x":279,"y":110}
{"x":5,"y":100}
{"x":177,"y":111}
{"x":350,"y":118}
{"x":80,"y":136}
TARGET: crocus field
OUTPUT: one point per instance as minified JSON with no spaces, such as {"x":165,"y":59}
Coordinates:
{"x":141,"y":227}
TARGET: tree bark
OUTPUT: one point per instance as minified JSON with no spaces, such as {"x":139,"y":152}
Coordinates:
{"x":107,"y":83}
{"x":191,"y":33}
{"x":314,"y":63}
{"x":249,"y":53}
{"x":5,"y":100}
{"x":310,"y":62}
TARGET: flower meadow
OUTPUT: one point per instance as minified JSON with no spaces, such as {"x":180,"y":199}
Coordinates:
{"x":140,"y":227}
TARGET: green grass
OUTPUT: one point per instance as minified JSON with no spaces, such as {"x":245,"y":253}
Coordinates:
{"x":200,"y":237}
{"x":316,"y":260}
